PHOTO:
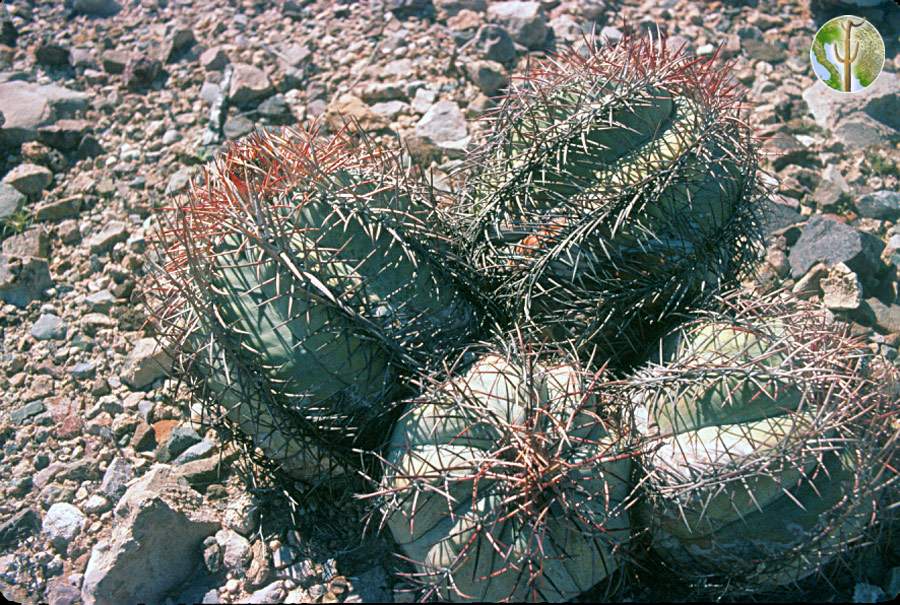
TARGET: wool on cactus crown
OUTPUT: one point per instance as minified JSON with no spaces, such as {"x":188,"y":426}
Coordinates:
{"x":619,"y":184}
{"x":300,"y":280}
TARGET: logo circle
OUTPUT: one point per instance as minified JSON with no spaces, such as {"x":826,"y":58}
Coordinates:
{"x":847,"y":54}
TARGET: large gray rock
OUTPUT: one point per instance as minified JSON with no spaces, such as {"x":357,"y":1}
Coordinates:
{"x":249,"y":85}
{"x":11,"y":200}
{"x":159,"y":527}
{"x":525,"y":21}
{"x":28,"y":106}
{"x":117,"y":475}
{"x":96,"y":8}
{"x":23,"y":279}
{"x":488,"y":76}
{"x":443,"y":128}
{"x":62,"y":524}
{"x":827,"y":240}
{"x":235,"y":550}
{"x":860,"y":119}
{"x":495,"y":44}
{"x":113,"y":233}
{"x":29,"y":179}
{"x":883,"y":205}
{"x":145,"y":363}
{"x":49,"y":327}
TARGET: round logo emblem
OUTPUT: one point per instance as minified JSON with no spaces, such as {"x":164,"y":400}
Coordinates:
{"x":847,"y":53}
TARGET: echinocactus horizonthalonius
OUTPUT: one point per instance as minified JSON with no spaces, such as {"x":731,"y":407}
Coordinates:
{"x":618,"y":185}
{"x":506,"y":482}
{"x":765,"y":450}
{"x":299,"y":282}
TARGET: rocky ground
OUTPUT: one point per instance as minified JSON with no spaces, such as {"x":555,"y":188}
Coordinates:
{"x":107,"y":110}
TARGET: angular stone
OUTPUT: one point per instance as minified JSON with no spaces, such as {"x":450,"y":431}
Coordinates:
{"x":28,"y":106}
{"x":496,"y":44}
{"x":145,"y":364}
{"x":23,"y":280}
{"x":68,"y":207}
{"x":237,"y":127}
{"x":488,"y":76}
{"x":113,"y":233}
{"x":276,"y":109}
{"x":830,"y":241}
{"x":273,"y":593}
{"x":390,"y":109}
{"x":886,"y":317}
{"x":140,"y":72}
{"x":249,"y":85}
{"x":235,"y":550}
{"x":241,"y":514}
{"x":214,"y":59}
{"x":29,"y":179}
{"x":96,"y":8}
{"x":21,"y":414}
{"x":841,"y":288}
{"x":49,"y":327}
{"x":449,"y":8}
{"x":11,"y":201}
{"x":62,"y":524}
{"x":20,"y":525}
{"x":525,"y":21}
{"x":114,"y":61}
{"x":883,"y":205}
{"x":159,"y":529}
{"x":857,"y":120}
{"x":350,"y":111}
{"x":100,"y":302}
{"x":197,"y":451}
{"x":443,"y":129}
{"x":32,"y":242}
{"x":117,"y":475}
{"x":51,"y":54}
{"x":180,"y":439}
{"x":64,"y":135}
{"x":179,"y":38}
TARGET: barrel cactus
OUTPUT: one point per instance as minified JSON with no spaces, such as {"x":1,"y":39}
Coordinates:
{"x":505,"y":482}
{"x":298,"y":283}
{"x":619,"y":184}
{"x":764,"y":448}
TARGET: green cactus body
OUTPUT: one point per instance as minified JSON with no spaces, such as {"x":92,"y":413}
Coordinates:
{"x":748,"y":449}
{"x":387,"y":244}
{"x":614,"y":191}
{"x":459,"y":505}
{"x":316,"y":289}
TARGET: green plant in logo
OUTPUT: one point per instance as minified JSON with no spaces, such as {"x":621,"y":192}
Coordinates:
{"x":847,"y":53}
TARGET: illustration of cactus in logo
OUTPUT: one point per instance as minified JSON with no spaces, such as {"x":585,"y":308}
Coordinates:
{"x":847,"y":53}
{"x":848,"y":57}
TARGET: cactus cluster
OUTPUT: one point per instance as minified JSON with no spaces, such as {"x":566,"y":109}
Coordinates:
{"x":541,"y":379}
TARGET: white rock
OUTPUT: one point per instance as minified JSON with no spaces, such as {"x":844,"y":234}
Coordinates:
{"x":61,"y":524}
